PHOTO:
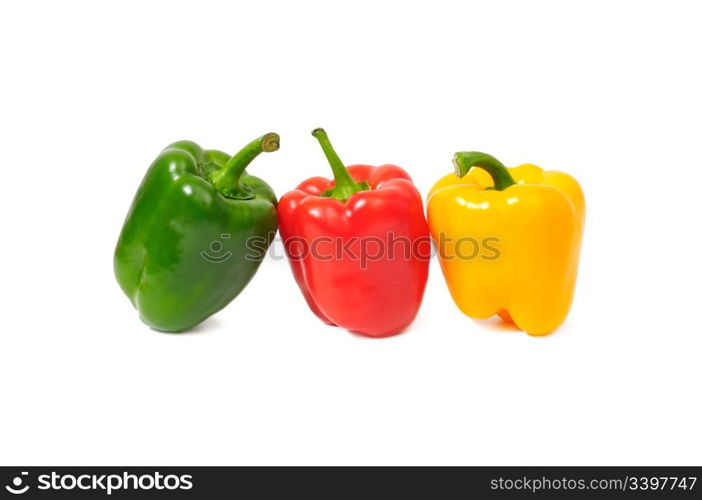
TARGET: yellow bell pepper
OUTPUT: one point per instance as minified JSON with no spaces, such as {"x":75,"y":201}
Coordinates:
{"x":508,"y":240}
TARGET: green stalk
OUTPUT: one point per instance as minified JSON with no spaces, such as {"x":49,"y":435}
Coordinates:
{"x":344,"y":185}
{"x":464,"y":161}
{"x":227,"y":180}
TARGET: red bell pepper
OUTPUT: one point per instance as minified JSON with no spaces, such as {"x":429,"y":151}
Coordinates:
{"x":358,"y":246}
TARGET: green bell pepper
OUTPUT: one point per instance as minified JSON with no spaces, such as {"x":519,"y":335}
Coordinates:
{"x":197,"y":230}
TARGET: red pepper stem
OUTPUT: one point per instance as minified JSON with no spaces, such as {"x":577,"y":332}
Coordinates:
{"x":227,"y":179}
{"x":344,"y":185}
{"x":464,"y":161}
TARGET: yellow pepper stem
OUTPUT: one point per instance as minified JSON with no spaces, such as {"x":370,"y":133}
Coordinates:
{"x":465,"y":160}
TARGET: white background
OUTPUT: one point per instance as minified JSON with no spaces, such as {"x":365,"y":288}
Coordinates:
{"x":607,"y":91}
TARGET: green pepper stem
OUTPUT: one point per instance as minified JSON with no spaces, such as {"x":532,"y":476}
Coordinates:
{"x":464,"y":161}
{"x":344,"y":185}
{"x":227,"y":179}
